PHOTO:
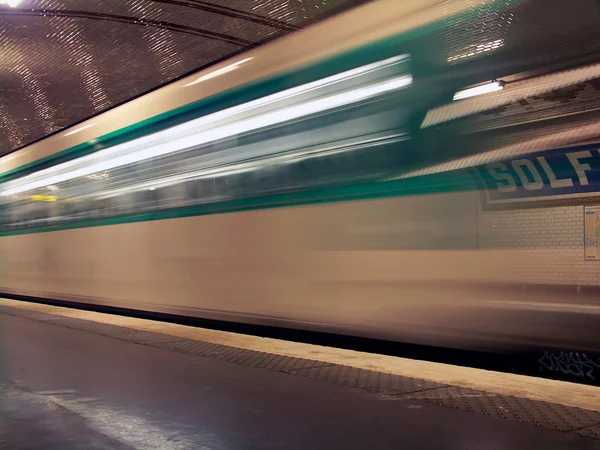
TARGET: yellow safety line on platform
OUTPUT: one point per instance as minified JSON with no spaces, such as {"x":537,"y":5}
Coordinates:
{"x":559,"y":392}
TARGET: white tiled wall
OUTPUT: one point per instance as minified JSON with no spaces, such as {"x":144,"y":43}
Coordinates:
{"x":548,"y":244}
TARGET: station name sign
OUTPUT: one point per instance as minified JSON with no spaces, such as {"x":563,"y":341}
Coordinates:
{"x":560,"y":174}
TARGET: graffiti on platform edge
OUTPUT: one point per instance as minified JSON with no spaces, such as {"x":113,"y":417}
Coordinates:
{"x":569,"y":363}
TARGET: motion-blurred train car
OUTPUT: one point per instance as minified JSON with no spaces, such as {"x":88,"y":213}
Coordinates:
{"x":422,"y":171}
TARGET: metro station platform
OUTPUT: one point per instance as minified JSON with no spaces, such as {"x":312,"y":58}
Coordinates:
{"x":73,"y":379}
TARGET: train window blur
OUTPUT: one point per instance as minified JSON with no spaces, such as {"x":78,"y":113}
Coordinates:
{"x":345,"y":145}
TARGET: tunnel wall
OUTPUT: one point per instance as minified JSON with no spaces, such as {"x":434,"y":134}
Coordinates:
{"x":549,"y":243}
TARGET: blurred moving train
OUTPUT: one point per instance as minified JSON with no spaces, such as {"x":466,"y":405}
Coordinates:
{"x":422,"y":171}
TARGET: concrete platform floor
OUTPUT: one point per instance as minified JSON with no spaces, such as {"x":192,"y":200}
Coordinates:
{"x":68,"y":389}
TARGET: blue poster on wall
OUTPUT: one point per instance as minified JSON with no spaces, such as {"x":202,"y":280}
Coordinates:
{"x":564,"y":173}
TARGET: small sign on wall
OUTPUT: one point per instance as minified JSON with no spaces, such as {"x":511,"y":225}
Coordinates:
{"x":592,"y":233}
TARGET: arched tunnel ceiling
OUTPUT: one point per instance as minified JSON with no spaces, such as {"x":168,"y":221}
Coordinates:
{"x":62,"y":61}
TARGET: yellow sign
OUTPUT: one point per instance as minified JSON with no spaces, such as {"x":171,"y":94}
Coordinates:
{"x":43,"y":198}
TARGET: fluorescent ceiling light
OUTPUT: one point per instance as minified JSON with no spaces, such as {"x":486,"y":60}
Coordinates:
{"x":221,"y":125}
{"x":518,"y":90}
{"x":479,"y":90}
{"x":11,"y":3}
